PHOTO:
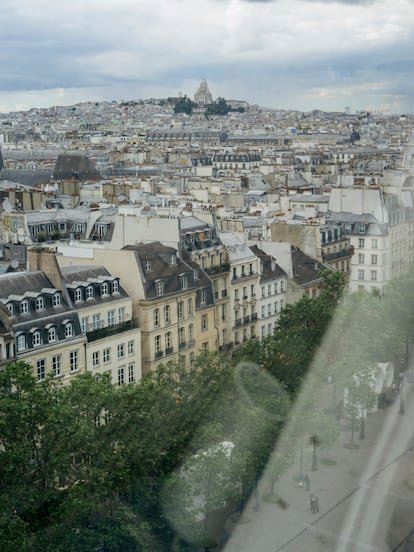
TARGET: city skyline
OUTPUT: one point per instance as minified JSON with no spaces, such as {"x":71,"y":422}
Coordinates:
{"x":297,"y":54}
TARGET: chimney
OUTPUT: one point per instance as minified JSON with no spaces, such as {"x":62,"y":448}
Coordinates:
{"x":39,"y":258}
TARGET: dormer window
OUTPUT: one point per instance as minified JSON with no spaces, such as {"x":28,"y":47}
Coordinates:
{"x":56,"y":300}
{"x":173,"y":259}
{"x":89,"y":292}
{"x":52,"y":335}
{"x":159,"y":287}
{"x":24,"y":307}
{"x":21,"y":343}
{"x":195,"y":274}
{"x":184,"y":281}
{"x":115,"y":286}
{"x":104,"y":290}
{"x":69,"y":329}
{"x":78,"y":295}
{"x":10,"y":308}
{"x":40,"y":304}
{"x":36,"y":340}
{"x":148,"y":265}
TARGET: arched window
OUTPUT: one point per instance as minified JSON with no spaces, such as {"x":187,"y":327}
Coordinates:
{"x":56,"y":300}
{"x":78,"y":295}
{"x":115,"y":286}
{"x":10,"y":308}
{"x":24,"y":307}
{"x":52,"y":335}
{"x":40,"y":304}
{"x":36,"y":339}
{"x":89,"y":292}
{"x":21,"y":343}
{"x":69,"y":329}
{"x":104,"y":289}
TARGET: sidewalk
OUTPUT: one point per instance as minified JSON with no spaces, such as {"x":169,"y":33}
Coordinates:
{"x":357,"y":496}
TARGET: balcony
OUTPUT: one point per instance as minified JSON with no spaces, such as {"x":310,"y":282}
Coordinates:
{"x":159,"y":354}
{"x":219,"y":269}
{"x":246,"y":319}
{"x":338,"y":255}
{"x":191,"y":342}
{"x":183,"y":345}
{"x":169,"y":350}
{"x":237,"y":322}
{"x":226,"y":346}
{"x":101,"y":333}
{"x":254,"y":316}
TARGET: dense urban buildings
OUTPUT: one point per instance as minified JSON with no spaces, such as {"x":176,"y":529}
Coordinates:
{"x":165,"y":234}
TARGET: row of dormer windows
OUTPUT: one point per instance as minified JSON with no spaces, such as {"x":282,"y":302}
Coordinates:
{"x":105,"y":289}
{"x":27,"y":306}
{"x":37,"y":337}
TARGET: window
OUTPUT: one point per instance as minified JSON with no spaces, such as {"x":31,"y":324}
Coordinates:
{"x":275,"y":287}
{"x":181,"y":335}
{"x":106,"y":355}
{"x":69,"y":330}
{"x":147,"y":265}
{"x":131,"y":347}
{"x":374,"y":259}
{"x":263,"y":291}
{"x":40,"y":304}
{"x":204,"y":322}
{"x":95,"y":359}
{"x":121,"y":375}
{"x":361,"y":243}
{"x":374,"y":243}
{"x":41,"y":370}
{"x":115,"y":286}
{"x":56,"y":300}
{"x":191,"y":332}
{"x":24,"y":307}
{"x":10,"y":308}
{"x":167,"y":314}
{"x":121,"y":314}
{"x":159,"y":288}
{"x":156,"y":317}
{"x":121,"y":350}
{"x":244,"y":292}
{"x":36,"y":339}
{"x":104,"y":290}
{"x":269,"y":309}
{"x":223,"y":312}
{"x":269,"y":289}
{"x":84,"y":324}
{"x":180,"y":310}
{"x":51,"y":335}
{"x":234,"y":272}
{"x":78,"y":295}
{"x":21,"y":343}
{"x":195,"y":274}
{"x":168,"y":342}
{"x":110,"y":318}
{"x":204,"y":346}
{"x":190,"y":307}
{"x":192,"y":359}
{"x":74,"y":361}
{"x":360,"y":274}
{"x":361,"y":258}
{"x":362,"y":228}
{"x":184,"y":282}
{"x":263,"y":311}
{"x":282,"y":286}
{"x":57,"y":365}
{"x":96,"y":321}
{"x":202,"y":295}
{"x":131,"y":372}
{"x":374,"y":275}
{"x":89,"y":293}
{"x":157,"y":344}
{"x":203,"y":262}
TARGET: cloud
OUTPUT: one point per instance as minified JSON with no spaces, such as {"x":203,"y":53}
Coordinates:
{"x":170,"y":44}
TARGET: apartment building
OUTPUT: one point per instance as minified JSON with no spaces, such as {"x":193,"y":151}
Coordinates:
{"x":42,"y":328}
{"x":171,"y":296}
{"x":202,"y":243}
{"x":244,"y":287}
{"x":105,"y":312}
{"x":272,"y":296}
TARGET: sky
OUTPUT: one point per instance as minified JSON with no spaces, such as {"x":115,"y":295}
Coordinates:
{"x":283,"y":54}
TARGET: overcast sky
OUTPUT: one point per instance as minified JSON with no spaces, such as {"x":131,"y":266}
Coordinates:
{"x":287,"y":54}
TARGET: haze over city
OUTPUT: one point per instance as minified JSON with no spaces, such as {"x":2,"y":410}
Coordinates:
{"x":296,"y":54}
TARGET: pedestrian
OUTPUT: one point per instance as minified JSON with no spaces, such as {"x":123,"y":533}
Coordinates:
{"x":306,"y":480}
{"x":316,"y":504}
{"x":312,"y":503}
